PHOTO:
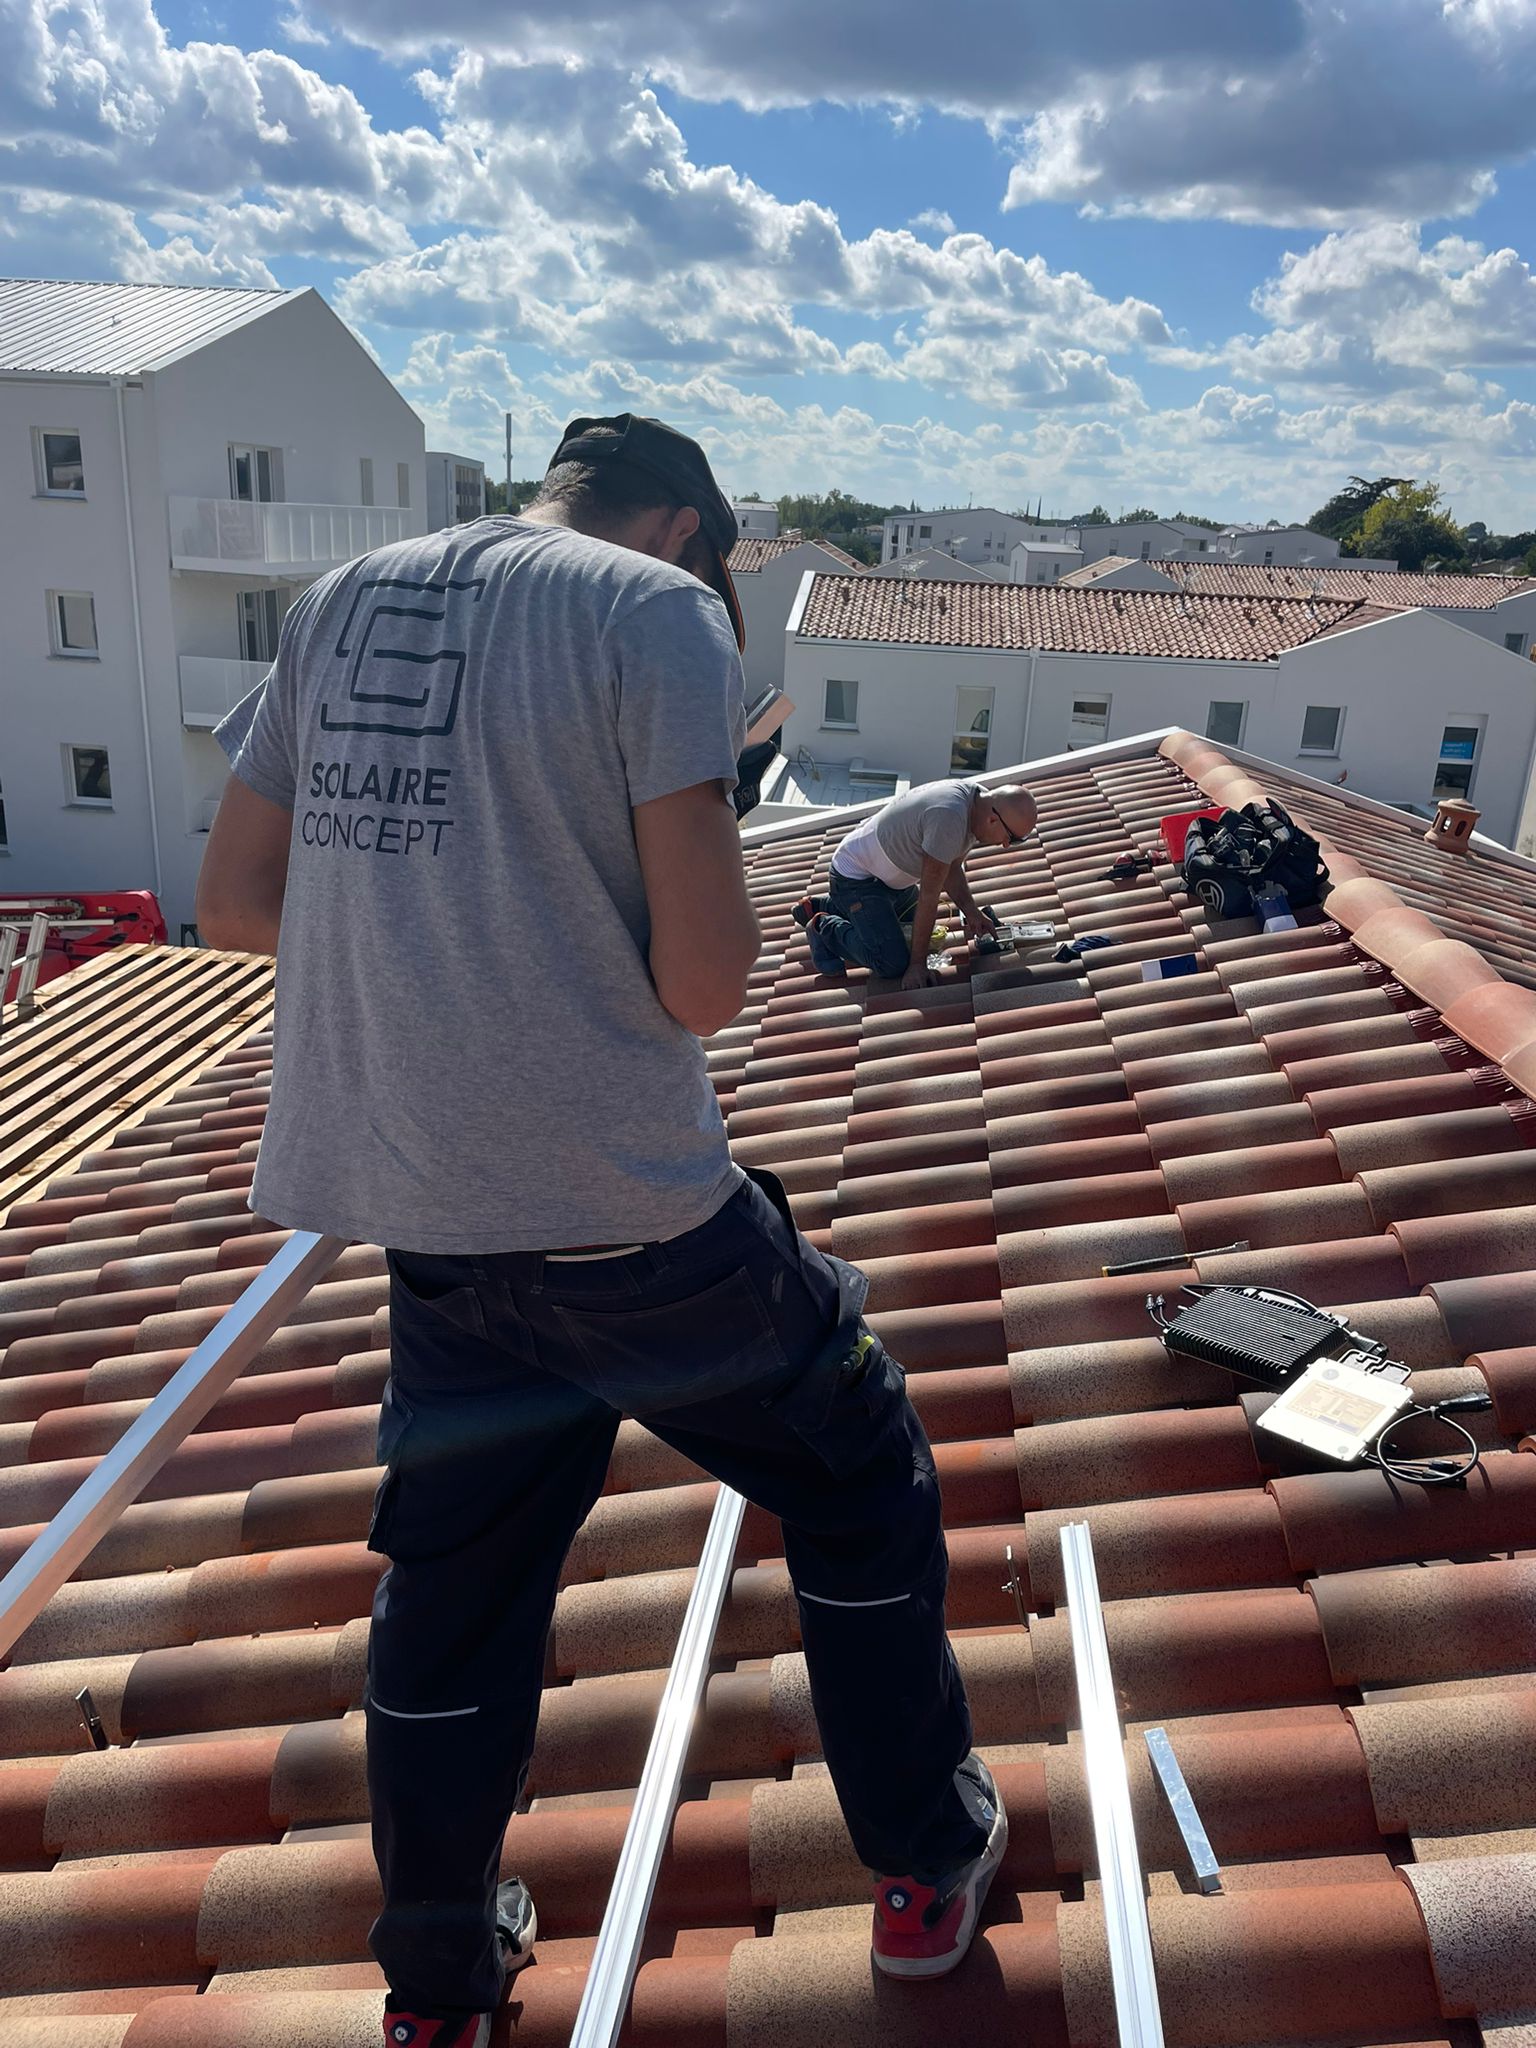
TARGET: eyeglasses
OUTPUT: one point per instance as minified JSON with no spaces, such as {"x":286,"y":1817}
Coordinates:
{"x":1010,"y":837}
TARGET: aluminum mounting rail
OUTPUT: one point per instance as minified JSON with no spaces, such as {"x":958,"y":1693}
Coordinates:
{"x":124,"y":1471}
{"x":1137,"y":2013}
{"x":615,"y":1959}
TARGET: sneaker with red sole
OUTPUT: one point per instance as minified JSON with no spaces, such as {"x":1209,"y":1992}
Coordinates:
{"x":924,"y":1930}
{"x":517,"y":1925}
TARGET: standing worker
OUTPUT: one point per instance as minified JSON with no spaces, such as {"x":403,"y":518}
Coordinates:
{"x":458,"y":732}
{"x":890,"y":871}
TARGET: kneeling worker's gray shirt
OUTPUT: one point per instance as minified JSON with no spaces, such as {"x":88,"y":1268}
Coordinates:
{"x":470,"y":1054}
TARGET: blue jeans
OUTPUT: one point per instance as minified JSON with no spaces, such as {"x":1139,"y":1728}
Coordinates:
{"x":863,"y":927}
{"x":508,"y":1375}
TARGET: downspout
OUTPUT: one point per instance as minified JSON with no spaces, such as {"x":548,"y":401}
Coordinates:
{"x":138,"y":642}
{"x":1029,"y":703}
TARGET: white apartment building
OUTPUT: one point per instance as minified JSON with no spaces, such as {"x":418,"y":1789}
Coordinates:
{"x":756,"y":520}
{"x":767,"y":574}
{"x":1036,"y":561}
{"x":978,"y":534}
{"x":1180,"y":540}
{"x":927,"y":679}
{"x":455,"y":490}
{"x":176,"y":462}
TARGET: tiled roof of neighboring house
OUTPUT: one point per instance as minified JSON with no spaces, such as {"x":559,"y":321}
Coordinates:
{"x":1090,"y":572}
{"x":749,"y":556}
{"x":1012,"y":616}
{"x":111,"y":330}
{"x":1344,"y":1669}
{"x":1391,"y":588}
{"x":937,"y":566}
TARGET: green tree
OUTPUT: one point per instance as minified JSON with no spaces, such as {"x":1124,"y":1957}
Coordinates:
{"x":1340,"y":518}
{"x":1135,"y":518}
{"x":1409,"y":525}
{"x":1529,"y":564}
{"x":1097,"y":516}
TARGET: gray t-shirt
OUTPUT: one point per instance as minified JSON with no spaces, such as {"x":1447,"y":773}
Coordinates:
{"x":933,"y":819}
{"x":470,"y":1054}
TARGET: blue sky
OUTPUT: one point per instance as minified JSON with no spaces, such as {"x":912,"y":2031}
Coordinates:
{"x":1205,"y":258}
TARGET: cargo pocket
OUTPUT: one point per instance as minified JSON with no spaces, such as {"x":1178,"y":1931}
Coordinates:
{"x":395,"y":1417}
{"x":644,"y":1361}
{"x":845,"y":1405}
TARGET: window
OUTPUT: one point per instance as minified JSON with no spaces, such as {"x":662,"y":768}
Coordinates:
{"x":1090,"y":722}
{"x":255,"y":474}
{"x":1515,"y":642}
{"x":261,"y":620}
{"x":1204,"y":545}
{"x":1458,"y":758}
{"x":973,"y":731}
{"x":841,"y":706}
{"x":467,"y":493}
{"x":1320,"y":729}
{"x":72,"y":622}
{"x":1269,"y":556}
{"x":1224,"y":724}
{"x":365,"y":480}
{"x":88,"y":775}
{"x":402,"y":483}
{"x":60,"y":472}
{"x":925,"y":533}
{"x":1146,"y":551}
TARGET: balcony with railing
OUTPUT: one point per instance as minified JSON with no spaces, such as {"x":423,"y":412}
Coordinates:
{"x":212,"y":686}
{"x":238,"y":536}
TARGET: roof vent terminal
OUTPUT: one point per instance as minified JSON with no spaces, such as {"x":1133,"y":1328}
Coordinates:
{"x":1454,"y":823}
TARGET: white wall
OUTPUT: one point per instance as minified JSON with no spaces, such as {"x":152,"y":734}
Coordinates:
{"x":48,"y":700}
{"x":295,"y":379}
{"x":442,"y":488}
{"x":1287,"y":547}
{"x":1038,"y":562}
{"x":756,"y":521}
{"x":1399,"y":682}
{"x":766,"y":596}
{"x":1134,"y":576}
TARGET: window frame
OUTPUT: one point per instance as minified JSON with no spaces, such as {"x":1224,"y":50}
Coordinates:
{"x":41,"y":436}
{"x":58,"y":646}
{"x":1227,"y":703}
{"x":1477,"y":725}
{"x":403,"y":486}
{"x":274,"y":460}
{"x":1514,"y":643}
{"x":959,"y":732}
{"x":829,"y":724}
{"x":73,"y":800}
{"x":1328,"y":753}
{"x":272,"y":606}
{"x":1102,"y":697}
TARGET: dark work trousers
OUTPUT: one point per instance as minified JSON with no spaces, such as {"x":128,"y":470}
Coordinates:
{"x":863,"y":926}
{"x":738,"y":1344}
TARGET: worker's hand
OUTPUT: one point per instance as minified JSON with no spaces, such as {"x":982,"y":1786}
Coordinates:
{"x":917,"y":977}
{"x":978,"y":925}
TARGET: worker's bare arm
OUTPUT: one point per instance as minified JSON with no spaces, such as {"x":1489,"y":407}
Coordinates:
{"x":931,"y":884}
{"x":704,"y":935}
{"x":977,"y":922}
{"x":244,"y":872}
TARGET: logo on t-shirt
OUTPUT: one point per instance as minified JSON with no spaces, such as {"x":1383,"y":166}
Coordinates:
{"x":404,"y":674}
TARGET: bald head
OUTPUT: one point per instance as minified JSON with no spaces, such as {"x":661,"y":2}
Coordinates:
{"x":1003,"y":814}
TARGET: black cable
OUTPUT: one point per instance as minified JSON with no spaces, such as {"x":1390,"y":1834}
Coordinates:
{"x":1433,"y":1471}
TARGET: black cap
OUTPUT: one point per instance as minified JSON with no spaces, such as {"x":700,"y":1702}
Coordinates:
{"x":676,"y":462}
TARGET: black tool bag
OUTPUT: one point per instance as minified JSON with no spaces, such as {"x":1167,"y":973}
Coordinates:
{"x":1225,"y":857}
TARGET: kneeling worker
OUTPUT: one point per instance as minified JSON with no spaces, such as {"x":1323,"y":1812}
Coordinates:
{"x":891,"y":870}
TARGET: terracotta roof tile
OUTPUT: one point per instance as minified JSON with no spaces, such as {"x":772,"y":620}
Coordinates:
{"x":1007,"y":617}
{"x":982,"y":1149}
{"x":749,"y":556}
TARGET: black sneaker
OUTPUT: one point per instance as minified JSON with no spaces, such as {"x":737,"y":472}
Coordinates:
{"x":924,"y":1930}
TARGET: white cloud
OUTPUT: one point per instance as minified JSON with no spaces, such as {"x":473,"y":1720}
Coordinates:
{"x":934,"y":219}
{"x":295,"y":27}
